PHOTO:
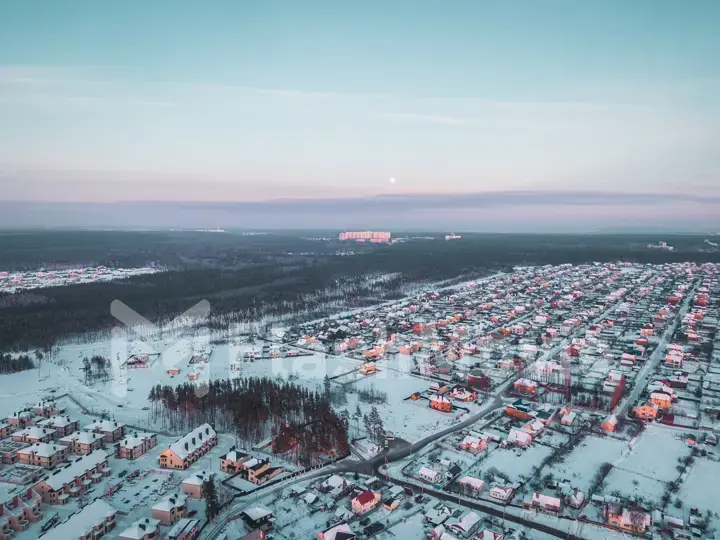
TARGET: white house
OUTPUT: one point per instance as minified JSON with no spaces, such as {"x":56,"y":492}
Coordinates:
{"x":519,"y":437}
{"x":429,"y":475}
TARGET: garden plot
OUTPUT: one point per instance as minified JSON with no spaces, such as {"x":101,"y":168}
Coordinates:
{"x":581,"y":465}
{"x":701,"y":488}
{"x":655,"y":455}
{"x":515,"y":464}
{"x":629,"y":485}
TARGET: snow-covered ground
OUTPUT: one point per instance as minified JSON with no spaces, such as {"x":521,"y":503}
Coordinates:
{"x":581,"y":465}
{"x":13,"y":282}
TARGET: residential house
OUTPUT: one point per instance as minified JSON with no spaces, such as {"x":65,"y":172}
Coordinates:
{"x":9,"y":450}
{"x":17,"y":512}
{"x":647,"y":411}
{"x":502,"y":493}
{"x":5,"y":430}
{"x":545,"y":503}
{"x":74,"y":479}
{"x":609,"y":424}
{"x":440,"y":403}
{"x":34,"y":434}
{"x":112,"y":431}
{"x":467,"y":526}
{"x":258,"y":471}
{"x":471,"y":485}
{"x":193,"y":485}
{"x":662,"y":400}
{"x":363,"y":503}
{"x":170,"y":509}
{"x":258,"y":518}
{"x":83,"y":442}
{"x":47,"y":409}
{"x":143,"y":529}
{"x":61,"y":424}
{"x":43,"y":455}
{"x":525,"y":386}
{"x":520,"y":409}
{"x":93,"y":521}
{"x":185,"y":529}
{"x":341,"y":531}
{"x":429,"y":475}
{"x":635,"y":520}
{"x":474,"y":445}
{"x":519,"y":437}
{"x":368,"y":368}
{"x":187,"y":450}
{"x":135,"y":445}
{"x":232,"y":461}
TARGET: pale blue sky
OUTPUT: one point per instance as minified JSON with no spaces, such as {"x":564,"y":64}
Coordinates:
{"x":247,"y":100}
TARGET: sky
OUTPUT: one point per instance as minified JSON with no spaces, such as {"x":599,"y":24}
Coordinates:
{"x":250,"y":101}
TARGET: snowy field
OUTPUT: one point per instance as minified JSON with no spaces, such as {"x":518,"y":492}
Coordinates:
{"x":581,"y":465}
{"x":654,"y":455}
{"x":507,"y":461}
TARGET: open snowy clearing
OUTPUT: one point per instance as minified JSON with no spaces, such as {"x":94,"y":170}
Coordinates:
{"x":582,"y":464}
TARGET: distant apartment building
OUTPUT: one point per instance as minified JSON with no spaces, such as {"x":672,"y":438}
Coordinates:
{"x":366,"y":236}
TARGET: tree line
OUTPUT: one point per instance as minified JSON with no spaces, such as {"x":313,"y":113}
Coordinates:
{"x":11,"y":364}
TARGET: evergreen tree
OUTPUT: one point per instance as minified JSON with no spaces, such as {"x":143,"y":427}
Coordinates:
{"x":212,"y":505}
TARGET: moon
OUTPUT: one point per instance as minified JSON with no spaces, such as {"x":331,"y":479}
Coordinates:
{"x":392,"y":179}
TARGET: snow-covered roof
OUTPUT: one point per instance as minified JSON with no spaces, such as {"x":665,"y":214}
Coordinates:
{"x":103,"y":425}
{"x":140,"y":528}
{"x":42,"y":449}
{"x":196,"y":479}
{"x":467,"y":522}
{"x":472,"y":481}
{"x":135,"y":440}
{"x":334,"y":481}
{"x":56,"y":422}
{"x":257,"y":513}
{"x":338,"y":531}
{"x":80,"y":466}
{"x":82,"y":522}
{"x":184,"y":525}
{"x":234,"y":455}
{"x":168,"y":503}
{"x":429,"y":473}
{"x":34,"y":432}
{"x":82,"y":437}
{"x":199,"y":434}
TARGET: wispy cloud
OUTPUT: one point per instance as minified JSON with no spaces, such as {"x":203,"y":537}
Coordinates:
{"x":429,"y":118}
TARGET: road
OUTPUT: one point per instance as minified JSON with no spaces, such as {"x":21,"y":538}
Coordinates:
{"x":652,"y":362}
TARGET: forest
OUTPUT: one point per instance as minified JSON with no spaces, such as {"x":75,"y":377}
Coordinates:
{"x":11,"y":364}
{"x":302,"y":423}
{"x":250,"y":277}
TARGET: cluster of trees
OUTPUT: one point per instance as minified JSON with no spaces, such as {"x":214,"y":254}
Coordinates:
{"x":10,"y":364}
{"x":97,"y":367}
{"x":300,"y":421}
{"x":374,"y":426}
{"x":370,"y":395}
